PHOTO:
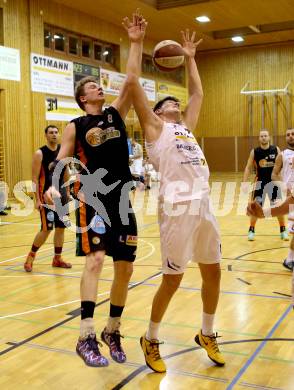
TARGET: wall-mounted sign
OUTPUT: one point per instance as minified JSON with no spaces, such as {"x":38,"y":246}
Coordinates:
{"x":9,"y":64}
{"x":111,"y":82}
{"x":83,"y":70}
{"x":166,"y":89}
{"x":51,"y":75}
{"x":61,"y":109}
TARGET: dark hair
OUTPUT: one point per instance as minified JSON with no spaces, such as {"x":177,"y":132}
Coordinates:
{"x":79,"y":89}
{"x":159,"y":104}
{"x":49,"y":127}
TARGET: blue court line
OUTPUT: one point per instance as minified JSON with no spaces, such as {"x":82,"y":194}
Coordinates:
{"x":227,"y":292}
{"x":156,"y":285}
{"x":258,"y":349}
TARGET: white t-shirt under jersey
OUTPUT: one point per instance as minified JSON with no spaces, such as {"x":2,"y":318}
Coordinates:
{"x":288,"y":167}
{"x":178,"y":158}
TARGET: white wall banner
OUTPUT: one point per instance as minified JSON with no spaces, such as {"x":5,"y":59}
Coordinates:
{"x":9,"y":64}
{"x":111,"y":83}
{"x":51,"y":75}
{"x":61,"y":109}
{"x":149,"y":88}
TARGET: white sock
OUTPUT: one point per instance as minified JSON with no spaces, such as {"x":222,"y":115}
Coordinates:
{"x":113,"y":324}
{"x":87,"y":327}
{"x":207,"y":324}
{"x":290,"y":256}
{"x":153,"y":330}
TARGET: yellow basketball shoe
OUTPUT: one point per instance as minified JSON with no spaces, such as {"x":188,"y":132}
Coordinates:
{"x":152,"y":354}
{"x":209,"y":343}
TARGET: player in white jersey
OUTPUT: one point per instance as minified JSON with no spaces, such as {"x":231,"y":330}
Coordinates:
{"x":188,"y":229}
{"x":285,"y":164}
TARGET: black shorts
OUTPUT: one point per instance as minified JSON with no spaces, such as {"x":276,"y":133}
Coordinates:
{"x":119,"y":239}
{"x":263,"y":189}
{"x":50,"y":219}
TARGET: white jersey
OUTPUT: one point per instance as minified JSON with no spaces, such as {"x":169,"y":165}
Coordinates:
{"x":288,"y":167}
{"x":178,"y":158}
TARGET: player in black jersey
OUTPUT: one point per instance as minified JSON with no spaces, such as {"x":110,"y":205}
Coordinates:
{"x":105,"y":219}
{"x":263,"y":160}
{"x":42,"y":158}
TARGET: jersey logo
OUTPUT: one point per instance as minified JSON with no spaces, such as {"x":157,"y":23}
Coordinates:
{"x":97,"y":136}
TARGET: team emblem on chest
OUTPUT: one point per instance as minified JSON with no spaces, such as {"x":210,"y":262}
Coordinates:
{"x":97,"y":136}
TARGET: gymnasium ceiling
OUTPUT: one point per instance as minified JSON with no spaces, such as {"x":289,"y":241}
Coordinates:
{"x":258,"y":21}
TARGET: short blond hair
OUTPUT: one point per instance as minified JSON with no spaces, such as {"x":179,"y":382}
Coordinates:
{"x":80,"y":91}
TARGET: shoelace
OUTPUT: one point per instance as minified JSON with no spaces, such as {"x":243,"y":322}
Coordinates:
{"x":155,"y":349}
{"x":116,"y":336}
{"x":214,"y":342}
{"x":93,"y":343}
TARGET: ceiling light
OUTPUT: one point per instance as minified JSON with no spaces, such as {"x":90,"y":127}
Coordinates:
{"x":203,"y":19}
{"x":237,"y":39}
{"x":105,"y":53}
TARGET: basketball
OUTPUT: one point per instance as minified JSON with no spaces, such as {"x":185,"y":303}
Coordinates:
{"x":168,"y":55}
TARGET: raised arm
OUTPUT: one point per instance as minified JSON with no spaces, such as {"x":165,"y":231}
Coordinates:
{"x":136,"y":31}
{"x":192,"y":110}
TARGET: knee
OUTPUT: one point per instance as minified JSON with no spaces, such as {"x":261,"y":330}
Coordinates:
{"x":94,"y":262}
{"x":124,"y":272}
{"x":213,"y":276}
{"x":172,"y":283}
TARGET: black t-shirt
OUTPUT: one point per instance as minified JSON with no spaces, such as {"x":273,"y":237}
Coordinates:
{"x":101,"y":144}
{"x":48,"y":157}
{"x":264,"y":162}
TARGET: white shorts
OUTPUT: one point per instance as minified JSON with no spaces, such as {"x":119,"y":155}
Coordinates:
{"x":189,"y":236}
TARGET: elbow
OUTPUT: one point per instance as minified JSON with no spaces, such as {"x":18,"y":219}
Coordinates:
{"x":131,"y":80}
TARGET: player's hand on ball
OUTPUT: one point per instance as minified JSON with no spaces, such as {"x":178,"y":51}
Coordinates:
{"x":255,"y":210}
{"x":189,"y":46}
{"x":50,"y":194}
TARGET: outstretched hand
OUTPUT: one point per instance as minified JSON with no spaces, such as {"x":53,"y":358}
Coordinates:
{"x":136,"y":27}
{"x":255,"y":210}
{"x":188,"y":44}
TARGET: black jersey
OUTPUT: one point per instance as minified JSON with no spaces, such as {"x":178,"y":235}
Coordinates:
{"x":101,"y":143}
{"x":264,"y":162}
{"x":48,"y":157}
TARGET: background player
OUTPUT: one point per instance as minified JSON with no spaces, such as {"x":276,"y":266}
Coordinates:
{"x":285,"y":164}
{"x":42,"y":159}
{"x":263,"y":159}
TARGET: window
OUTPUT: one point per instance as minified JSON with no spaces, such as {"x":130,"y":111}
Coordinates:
{"x":47,"y":38}
{"x":97,"y":51}
{"x":73,"y":45}
{"x":107,"y":54}
{"x":86,"y":48}
{"x":59,"y":41}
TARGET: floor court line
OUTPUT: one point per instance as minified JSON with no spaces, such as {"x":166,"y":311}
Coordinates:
{"x":258,"y":349}
{"x":138,"y":371}
{"x":73,"y":314}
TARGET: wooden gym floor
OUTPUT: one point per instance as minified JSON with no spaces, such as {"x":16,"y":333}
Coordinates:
{"x":40,"y":321}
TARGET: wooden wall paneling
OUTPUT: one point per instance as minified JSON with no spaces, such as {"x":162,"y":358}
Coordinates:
{"x":245,"y":145}
{"x":219,"y":153}
{"x":225,"y":72}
